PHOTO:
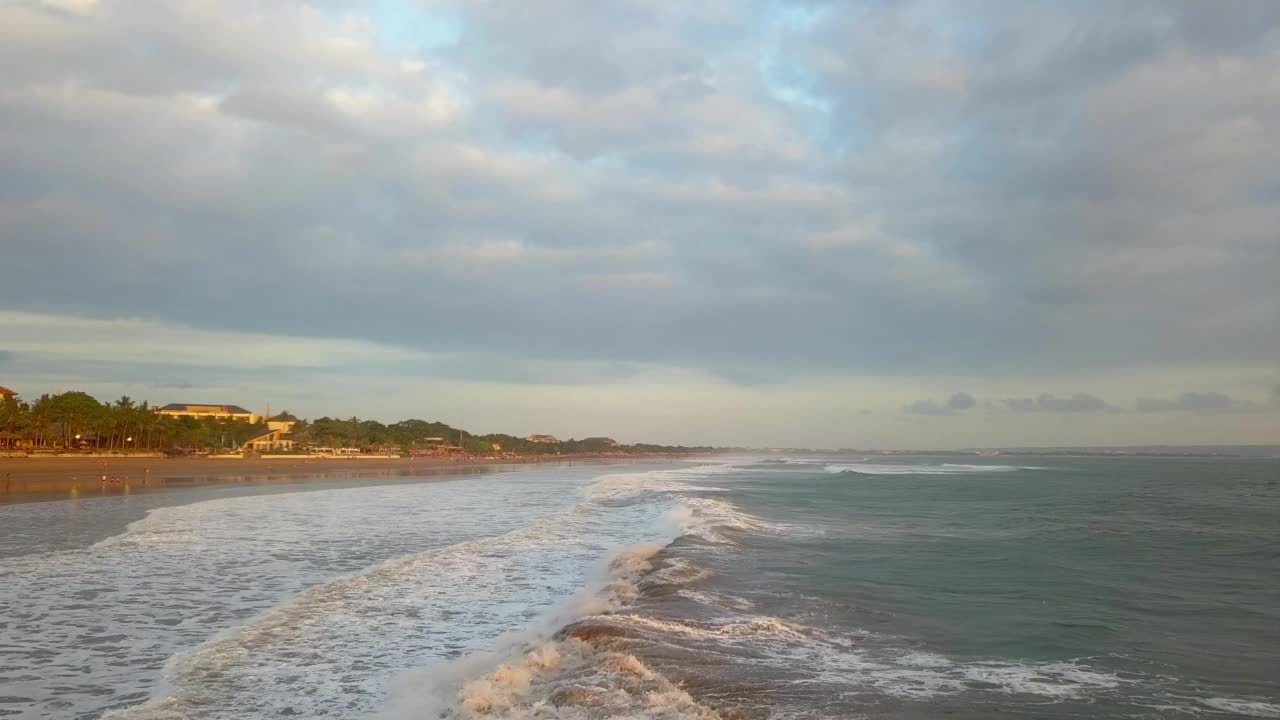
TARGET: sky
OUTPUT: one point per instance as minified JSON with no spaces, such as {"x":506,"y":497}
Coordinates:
{"x":928,"y":223}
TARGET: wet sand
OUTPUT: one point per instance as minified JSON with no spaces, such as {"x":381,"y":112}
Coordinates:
{"x":39,"y":478}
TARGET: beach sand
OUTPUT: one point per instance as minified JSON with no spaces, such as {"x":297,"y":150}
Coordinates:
{"x":32,"y":478}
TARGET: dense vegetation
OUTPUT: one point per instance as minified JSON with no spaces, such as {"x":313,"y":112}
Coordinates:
{"x":77,"y":420}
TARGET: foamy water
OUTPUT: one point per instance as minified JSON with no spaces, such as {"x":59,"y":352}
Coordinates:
{"x":549,"y":593}
{"x":306,"y":603}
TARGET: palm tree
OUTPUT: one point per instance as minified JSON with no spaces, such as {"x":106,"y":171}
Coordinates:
{"x":122,"y":416}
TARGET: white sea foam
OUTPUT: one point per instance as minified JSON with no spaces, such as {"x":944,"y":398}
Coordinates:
{"x":569,"y":680}
{"x":939,"y":469}
{"x":717,"y":600}
{"x":847,"y":664}
{"x":707,"y":518}
{"x":487,"y":678}
{"x":311,"y":602}
{"x":519,"y":677}
{"x":1251,"y":708}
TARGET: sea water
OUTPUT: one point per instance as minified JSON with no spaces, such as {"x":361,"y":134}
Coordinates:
{"x":804,"y":587}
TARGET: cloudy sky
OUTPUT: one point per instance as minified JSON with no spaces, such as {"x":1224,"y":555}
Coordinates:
{"x":840,"y":223}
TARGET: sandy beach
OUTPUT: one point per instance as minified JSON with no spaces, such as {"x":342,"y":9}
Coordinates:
{"x":23,"y":478}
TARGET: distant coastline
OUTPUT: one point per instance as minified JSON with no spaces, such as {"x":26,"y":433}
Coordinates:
{"x":77,"y":423}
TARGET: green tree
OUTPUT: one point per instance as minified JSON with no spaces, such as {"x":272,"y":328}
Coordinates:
{"x":75,"y":414}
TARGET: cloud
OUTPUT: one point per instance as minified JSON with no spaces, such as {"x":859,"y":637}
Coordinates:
{"x":863,"y":182}
{"x":1193,"y":402}
{"x":919,"y":189}
{"x":957,"y":403}
{"x":928,"y":407}
{"x":1045,"y":402}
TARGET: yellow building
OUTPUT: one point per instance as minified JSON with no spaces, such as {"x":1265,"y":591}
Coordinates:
{"x":269,"y":441}
{"x":220,"y":412}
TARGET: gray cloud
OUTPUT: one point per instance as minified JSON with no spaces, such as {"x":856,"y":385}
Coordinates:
{"x":1059,"y":186}
{"x":1193,"y":402}
{"x":927,"y":407}
{"x":1045,"y":402}
{"x":957,"y":403}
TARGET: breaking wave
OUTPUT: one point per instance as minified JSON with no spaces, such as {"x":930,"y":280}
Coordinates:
{"x":556,"y":666}
{"x":551,"y":669}
{"x":941,"y":469}
{"x":614,"y":660}
{"x":334,"y":645}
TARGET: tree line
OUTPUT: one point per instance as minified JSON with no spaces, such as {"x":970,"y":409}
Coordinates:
{"x":76,"y":420}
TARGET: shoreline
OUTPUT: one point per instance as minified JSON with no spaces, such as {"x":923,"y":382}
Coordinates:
{"x":34,"y":479}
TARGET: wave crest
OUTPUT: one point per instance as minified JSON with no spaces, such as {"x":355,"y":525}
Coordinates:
{"x":546,"y":673}
{"x":941,"y":469}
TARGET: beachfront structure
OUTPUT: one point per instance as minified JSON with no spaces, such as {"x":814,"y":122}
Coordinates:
{"x":275,"y":438}
{"x":269,"y":441}
{"x":221,"y":412}
{"x":6,"y":393}
{"x":545,"y":439}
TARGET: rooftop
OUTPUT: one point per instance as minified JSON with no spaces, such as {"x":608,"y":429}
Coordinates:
{"x":5,"y":392}
{"x":277,"y":434}
{"x":205,"y":407}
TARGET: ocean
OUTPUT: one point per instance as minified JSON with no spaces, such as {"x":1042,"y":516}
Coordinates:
{"x":753,"y":587}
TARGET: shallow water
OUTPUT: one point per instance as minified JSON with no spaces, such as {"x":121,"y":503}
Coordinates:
{"x":815,"y":587}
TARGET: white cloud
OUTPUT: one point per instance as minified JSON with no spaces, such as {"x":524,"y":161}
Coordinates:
{"x":1005,"y":198}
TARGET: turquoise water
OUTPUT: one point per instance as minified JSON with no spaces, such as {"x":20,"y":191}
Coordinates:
{"x":1045,"y":587}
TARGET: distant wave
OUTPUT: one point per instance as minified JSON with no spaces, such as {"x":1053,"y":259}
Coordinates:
{"x":942,"y":469}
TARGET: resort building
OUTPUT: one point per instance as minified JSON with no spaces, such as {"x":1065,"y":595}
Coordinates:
{"x":6,"y":393}
{"x":283,"y":422}
{"x":269,"y":441}
{"x":221,"y":412}
{"x":546,"y":439}
{"x":275,"y":438}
